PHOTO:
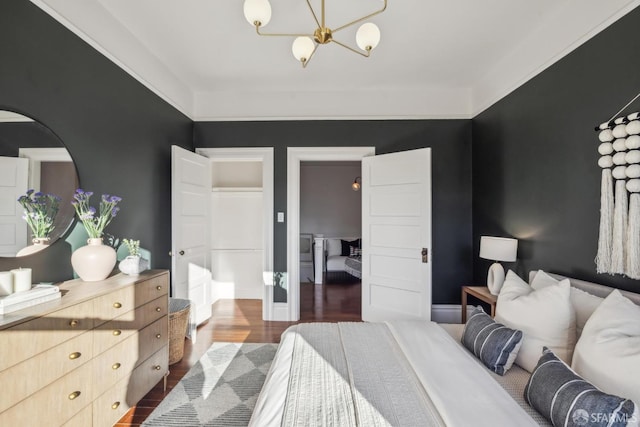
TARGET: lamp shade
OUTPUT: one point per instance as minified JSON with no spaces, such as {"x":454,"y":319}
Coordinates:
{"x":498,"y":248}
{"x":257,"y":11}
{"x":368,"y":36}
{"x":302,"y":48}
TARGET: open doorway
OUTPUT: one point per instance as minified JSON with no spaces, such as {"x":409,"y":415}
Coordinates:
{"x":330,"y":217}
{"x":290,"y":310}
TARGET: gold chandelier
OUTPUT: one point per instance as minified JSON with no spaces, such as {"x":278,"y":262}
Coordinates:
{"x":258,"y":13}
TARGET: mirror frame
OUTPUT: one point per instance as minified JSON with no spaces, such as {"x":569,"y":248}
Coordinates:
{"x":74,"y":220}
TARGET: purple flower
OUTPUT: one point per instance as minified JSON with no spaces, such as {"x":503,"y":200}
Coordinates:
{"x":114,"y":211}
{"x":115,"y":199}
{"x":79,"y":191}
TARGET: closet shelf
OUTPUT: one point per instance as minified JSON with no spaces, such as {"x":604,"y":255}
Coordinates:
{"x":237,"y":189}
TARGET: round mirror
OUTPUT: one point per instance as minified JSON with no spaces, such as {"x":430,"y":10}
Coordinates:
{"x":37,"y":182}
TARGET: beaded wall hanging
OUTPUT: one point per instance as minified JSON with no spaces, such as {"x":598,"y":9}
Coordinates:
{"x":619,"y":235}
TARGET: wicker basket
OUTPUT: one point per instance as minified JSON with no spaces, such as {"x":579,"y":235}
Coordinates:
{"x":178,"y":322}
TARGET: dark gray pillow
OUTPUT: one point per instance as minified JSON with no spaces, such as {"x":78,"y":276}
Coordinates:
{"x":493,"y":343}
{"x":565,"y":399}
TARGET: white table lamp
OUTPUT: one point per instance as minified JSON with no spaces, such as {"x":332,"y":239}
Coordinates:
{"x":497,"y":249}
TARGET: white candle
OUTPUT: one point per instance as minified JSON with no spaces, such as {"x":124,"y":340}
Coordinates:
{"x":21,"y":279}
{"x":6,"y":283}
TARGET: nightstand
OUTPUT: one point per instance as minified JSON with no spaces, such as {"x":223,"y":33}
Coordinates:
{"x":480,"y":292}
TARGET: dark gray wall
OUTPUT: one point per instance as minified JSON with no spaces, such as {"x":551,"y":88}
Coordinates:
{"x":118,"y":132}
{"x":328,"y":204}
{"x":535,"y":172}
{"x":450,"y":141}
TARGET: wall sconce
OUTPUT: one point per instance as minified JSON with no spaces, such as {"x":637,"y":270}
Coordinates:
{"x":497,"y":249}
{"x":356,"y":184}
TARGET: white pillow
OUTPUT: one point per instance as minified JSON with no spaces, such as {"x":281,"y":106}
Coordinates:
{"x":545,"y":316}
{"x":542,"y":280}
{"x":608,"y":352}
{"x":583,"y":302}
{"x":334,"y":247}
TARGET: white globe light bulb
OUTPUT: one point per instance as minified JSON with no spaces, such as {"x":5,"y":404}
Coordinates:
{"x":257,"y":11}
{"x":368,"y":36}
{"x":302,"y":48}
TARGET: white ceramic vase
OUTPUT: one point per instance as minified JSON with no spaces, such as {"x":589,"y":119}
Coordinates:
{"x":93,"y":262}
{"x":133,"y":265}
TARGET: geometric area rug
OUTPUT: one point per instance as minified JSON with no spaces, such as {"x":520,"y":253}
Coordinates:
{"x":220,"y":390}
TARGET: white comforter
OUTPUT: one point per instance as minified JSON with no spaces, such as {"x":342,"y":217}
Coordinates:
{"x":459,"y":389}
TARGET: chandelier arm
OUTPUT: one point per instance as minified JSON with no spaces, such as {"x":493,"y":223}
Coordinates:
{"x":280,"y":34}
{"x":366,"y":55}
{"x":305,"y":63}
{"x":362,"y":19}
{"x":323,"y":15}
{"x":313,"y":13}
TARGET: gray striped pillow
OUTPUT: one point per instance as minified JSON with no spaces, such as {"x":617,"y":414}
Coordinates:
{"x":493,"y":343}
{"x":565,"y":399}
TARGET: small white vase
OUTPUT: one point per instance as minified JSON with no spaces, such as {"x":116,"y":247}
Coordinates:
{"x":93,"y":262}
{"x":133,"y":265}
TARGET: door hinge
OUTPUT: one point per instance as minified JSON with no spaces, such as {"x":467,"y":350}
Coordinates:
{"x":425,"y":255}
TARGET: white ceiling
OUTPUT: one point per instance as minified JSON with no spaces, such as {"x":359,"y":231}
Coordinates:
{"x":447,"y":59}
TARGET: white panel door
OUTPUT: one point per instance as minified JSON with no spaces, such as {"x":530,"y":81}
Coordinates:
{"x":396,"y":230}
{"x":190,"y":234}
{"x":13,"y":183}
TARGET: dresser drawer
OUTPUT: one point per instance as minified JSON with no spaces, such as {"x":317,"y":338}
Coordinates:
{"x":27,"y":339}
{"x":118,"y":362}
{"x":81,"y":419}
{"x":55,"y":404}
{"x":114,"y":304}
{"x":115,"y":364}
{"x":117,"y":330}
{"x":153,"y":337}
{"x":151,"y":289}
{"x":44,"y":368}
{"x":111,"y":405}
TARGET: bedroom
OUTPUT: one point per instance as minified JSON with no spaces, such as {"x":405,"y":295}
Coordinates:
{"x":499,"y":171}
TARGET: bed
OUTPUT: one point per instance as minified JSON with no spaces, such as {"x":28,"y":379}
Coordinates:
{"x":370,"y":374}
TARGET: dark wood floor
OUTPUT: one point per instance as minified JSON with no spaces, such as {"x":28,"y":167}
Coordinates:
{"x":241,"y":321}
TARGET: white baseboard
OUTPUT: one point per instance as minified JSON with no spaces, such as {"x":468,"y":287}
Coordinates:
{"x":448,"y":313}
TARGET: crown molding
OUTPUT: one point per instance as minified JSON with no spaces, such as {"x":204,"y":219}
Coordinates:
{"x":372,"y":104}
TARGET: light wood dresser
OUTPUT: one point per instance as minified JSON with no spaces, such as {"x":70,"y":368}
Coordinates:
{"x":86,"y":359}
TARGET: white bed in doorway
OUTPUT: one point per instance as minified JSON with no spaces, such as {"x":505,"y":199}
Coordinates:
{"x":400,"y":373}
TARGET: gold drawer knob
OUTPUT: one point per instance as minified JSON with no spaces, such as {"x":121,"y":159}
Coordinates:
{"x":158,"y":336}
{"x":74,"y":395}
{"x":116,"y":332}
{"x":159,"y":288}
{"x":157,"y":367}
{"x":75,"y":355}
{"x":74,"y":323}
{"x":115,"y":405}
{"x":158,"y":309}
{"x":115,"y":366}
{"x":117,"y":305}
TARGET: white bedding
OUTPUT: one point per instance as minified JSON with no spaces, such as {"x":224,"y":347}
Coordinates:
{"x":336,"y":262}
{"x":449,"y":375}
